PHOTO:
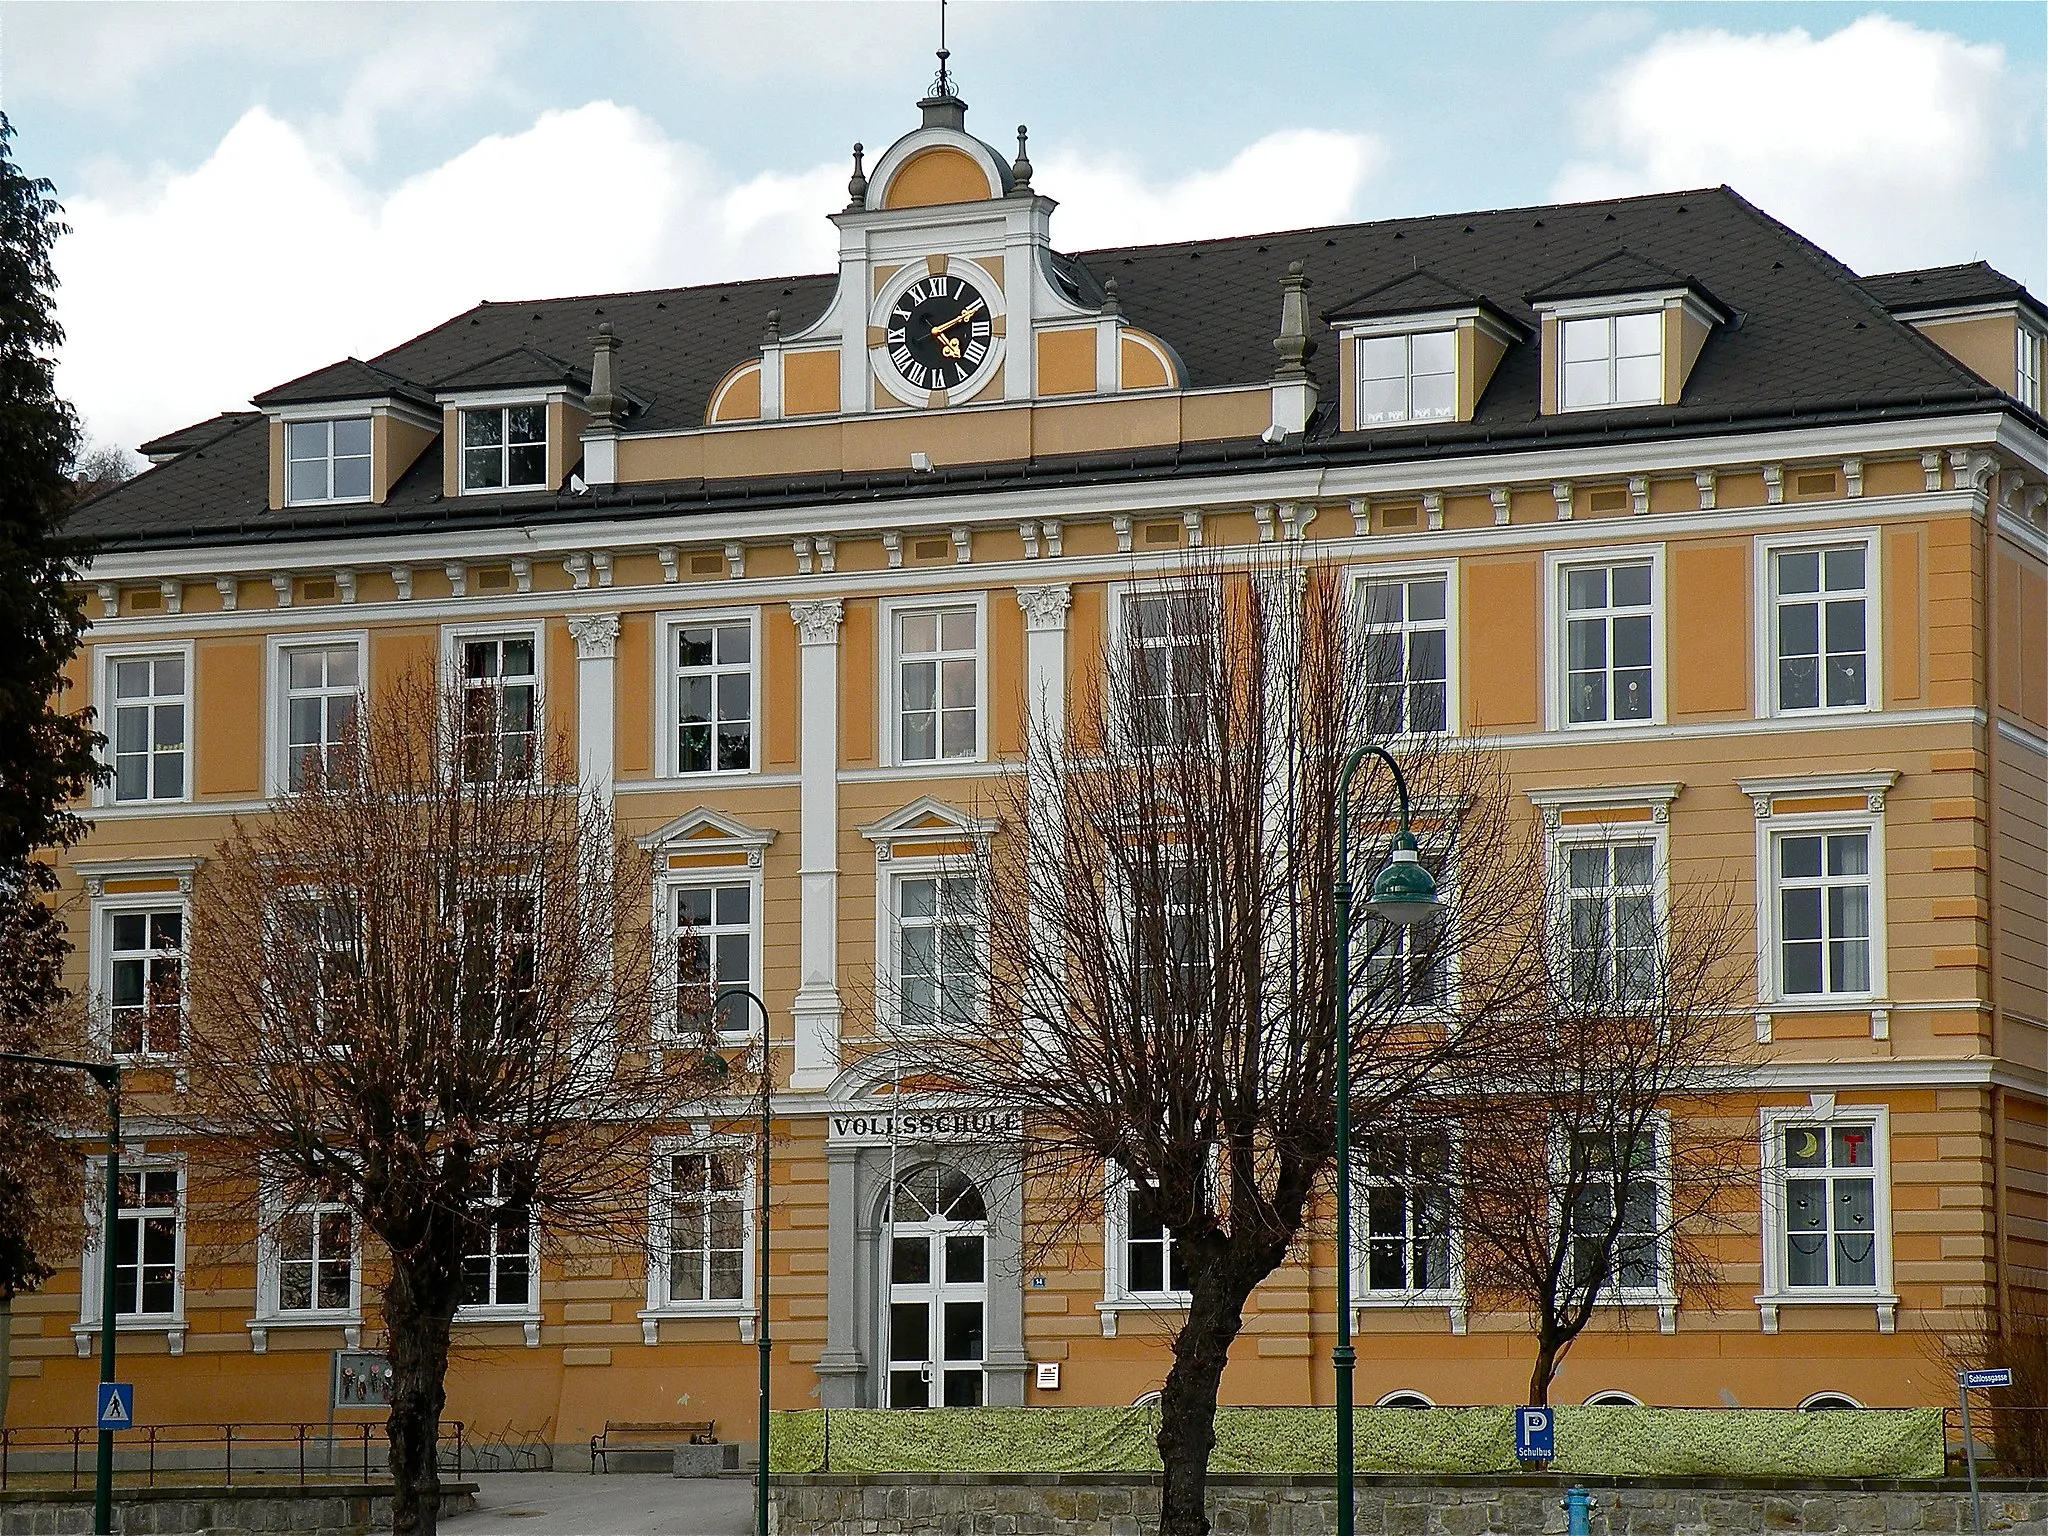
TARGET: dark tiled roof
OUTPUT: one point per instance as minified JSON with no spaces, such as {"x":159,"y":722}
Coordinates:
{"x":1975,"y":282}
{"x":518,"y":368}
{"x":1419,"y":292}
{"x":198,"y":435}
{"x":349,"y":379}
{"x":1806,"y":344}
{"x":1618,"y":272}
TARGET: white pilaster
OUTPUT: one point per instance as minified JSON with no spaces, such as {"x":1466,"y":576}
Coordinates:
{"x":817,"y":995}
{"x":1045,"y":693}
{"x":597,"y":646}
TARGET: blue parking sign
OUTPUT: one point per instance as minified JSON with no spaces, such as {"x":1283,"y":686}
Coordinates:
{"x":117,"y":1405}
{"x":1535,"y":1434}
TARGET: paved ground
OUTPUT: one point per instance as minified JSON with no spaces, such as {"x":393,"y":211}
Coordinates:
{"x":610,"y":1504}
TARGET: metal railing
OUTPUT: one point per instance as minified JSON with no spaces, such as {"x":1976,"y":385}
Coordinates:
{"x":2011,"y":1442}
{"x":280,"y":1453}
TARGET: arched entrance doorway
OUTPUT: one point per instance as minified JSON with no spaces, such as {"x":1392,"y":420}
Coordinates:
{"x":937,"y":1269}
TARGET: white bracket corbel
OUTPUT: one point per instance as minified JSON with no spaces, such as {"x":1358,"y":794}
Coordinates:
{"x":1561,"y":493}
{"x":1028,"y":532}
{"x":282,"y":586}
{"x":230,"y":591}
{"x":601,"y":562}
{"x":522,"y":574}
{"x":1774,"y":484}
{"x":1050,"y":528}
{"x":827,"y":549}
{"x":1704,"y":481}
{"x":736,"y":560}
{"x":666,"y":554}
{"x":1262,"y":514}
{"x":401,"y":578}
{"x":892,"y":546}
{"x":110,"y":600}
{"x":802,"y":546}
{"x":1639,"y":494}
{"x":174,"y":595}
{"x":1930,"y":469}
{"x":578,"y":567}
{"x":1500,"y":498}
{"x":458,"y":578}
{"x":1120,"y":524}
{"x":1433,"y":510}
{"x":1852,"y":477}
{"x":1361,"y":516}
{"x":963,"y":546}
{"x":1192,"y":521}
{"x":345,"y":584}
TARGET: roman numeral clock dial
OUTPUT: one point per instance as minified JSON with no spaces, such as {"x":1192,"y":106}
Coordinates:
{"x":939,"y":333}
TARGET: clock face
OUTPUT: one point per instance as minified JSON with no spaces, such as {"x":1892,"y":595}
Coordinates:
{"x":939,"y":332}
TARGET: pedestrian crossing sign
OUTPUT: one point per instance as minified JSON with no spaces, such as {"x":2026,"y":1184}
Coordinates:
{"x":117,"y":1405}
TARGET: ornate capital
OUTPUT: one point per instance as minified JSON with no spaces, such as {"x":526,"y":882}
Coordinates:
{"x":817,"y":623}
{"x":1045,"y":608}
{"x":597,"y":636}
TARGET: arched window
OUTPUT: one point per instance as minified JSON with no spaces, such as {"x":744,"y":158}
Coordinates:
{"x":1824,"y":1402}
{"x":1404,"y":1399}
{"x":1614,"y":1399}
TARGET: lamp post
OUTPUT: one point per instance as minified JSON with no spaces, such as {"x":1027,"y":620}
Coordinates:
{"x":1403,"y":893}
{"x":108,"y":1076}
{"x":761,"y":1206}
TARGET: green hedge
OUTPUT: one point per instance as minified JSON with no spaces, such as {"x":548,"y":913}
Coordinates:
{"x":1620,"y":1442}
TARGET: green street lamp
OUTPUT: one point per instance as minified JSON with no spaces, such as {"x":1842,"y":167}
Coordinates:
{"x":762,"y":1208}
{"x":108,"y":1076}
{"x":1402,"y":893}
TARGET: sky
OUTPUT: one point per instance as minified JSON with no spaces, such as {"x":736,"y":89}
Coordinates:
{"x":257,"y":189}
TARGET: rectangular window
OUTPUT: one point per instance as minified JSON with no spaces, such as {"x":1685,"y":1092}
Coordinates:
{"x":145,"y":981}
{"x":326,"y":931}
{"x":1408,"y":966}
{"x":149,"y":727}
{"x":1407,"y":1228}
{"x":714,"y":932}
{"x":501,"y":708}
{"x":148,"y":1242}
{"x":1619,"y":1193}
{"x":500,"y":1272}
{"x":1407,"y":378}
{"x":1406,"y":631}
{"x":937,"y":951}
{"x":328,"y":460}
{"x":714,"y":682}
{"x":1824,"y":913}
{"x":505,"y":448}
{"x":1821,"y":597}
{"x":706,"y":1226}
{"x":1611,"y":921}
{"x":498,"y":959}
{"x":1831,"y":1209}
{"x":1169,"y":919}
{"x":937,"y":685}
{"x":1167,"y":637}
{"x":2028,"y":369}
{"x":1152,"y":1261}
{"x":322,"y":684}
{"x":1609,"y":643}
{"x":1612,"y":360}
{"x":316,"y":1253}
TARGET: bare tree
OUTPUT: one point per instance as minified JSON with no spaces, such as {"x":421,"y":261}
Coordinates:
{"x":1594,"y":1169}
{"x":1153,"y":933}
{"x":426,"y":986}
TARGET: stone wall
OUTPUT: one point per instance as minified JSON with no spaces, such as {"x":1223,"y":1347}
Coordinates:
{"x":1098,"y":1504}
{"x":335,"y":1509}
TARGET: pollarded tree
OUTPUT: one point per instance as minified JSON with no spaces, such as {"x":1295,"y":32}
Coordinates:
{"x":1154,"y":931}
{"x":425,"y":986}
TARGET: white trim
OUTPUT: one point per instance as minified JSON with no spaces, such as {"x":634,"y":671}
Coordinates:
{"x":104,"y":906}
{"x":1763,"y":565}
{"x":269,"y":1311}
{"x":1387,"y":1399}
{"x":329,"y":416}
{"x":659,"y":1306}
{"x":103,"y":659}
{"x":277,"y":710}
{"x":92,"y":1263}
{"x":669,"y":881}
{"x":1822,"y":1109}
{"x":1814,"y":1402}
{"x":527,"y":1313}
{"x":502,"y":402}
{"x":453,"y":637}
{"x":666,"y":688}
{"x":1451,"y":1297}
{"x":1769,"y":828}
{"x":1664,"y":1295}
{"x":1561,"y":839}
{"x":1117,"y":1296}
{"x":1556,"y":564}
{"x":890,"y":873}
{"x":889,"y":610}
{"x":1359,"y":572}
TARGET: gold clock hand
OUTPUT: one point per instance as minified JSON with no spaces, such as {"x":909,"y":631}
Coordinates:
{"x":964,"y":315}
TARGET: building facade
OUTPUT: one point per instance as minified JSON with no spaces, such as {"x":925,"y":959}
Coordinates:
{"x":1740,"y":559}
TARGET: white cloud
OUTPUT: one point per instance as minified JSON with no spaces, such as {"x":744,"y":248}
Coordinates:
{"x":1880,"y":141}
{"x":1287,"y":180}
{"x":184,"y":293}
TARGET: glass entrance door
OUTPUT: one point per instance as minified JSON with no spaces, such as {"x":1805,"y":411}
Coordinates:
{"x":938,"y":1290}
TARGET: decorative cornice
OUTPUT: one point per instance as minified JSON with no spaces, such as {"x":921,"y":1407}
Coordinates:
{"x":1764,"y":793}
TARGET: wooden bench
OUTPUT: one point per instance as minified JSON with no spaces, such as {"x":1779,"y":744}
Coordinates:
{"x":619,"y":1435}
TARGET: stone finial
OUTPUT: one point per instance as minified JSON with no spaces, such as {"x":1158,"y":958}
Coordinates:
{"x":1293,"y":344}
{"x":1020,"y":168}
{"x":857,"y":183}
{"x":1110,"y":306}
{"x":605,"y":403}
{"x":772,"y":337}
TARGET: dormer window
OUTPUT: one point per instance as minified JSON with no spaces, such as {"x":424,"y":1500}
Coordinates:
{"x":328,"y":460}
{"x":1612,"y":360}
{"x":2027,"y":383}
{"x":505,"y":448}
{"x":1411,"y":377}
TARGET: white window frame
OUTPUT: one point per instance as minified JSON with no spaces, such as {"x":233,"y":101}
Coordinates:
{"x":888,"y":929}
{"x":890,"y":610}
{"x":1446,"y":875}
{"x":2028,"y":347}
{"x":455,"y":636}
{"x":1822,"y":1110}
{"x":1360,"y":576}
{"x":93,"y":1264}
{"x":668,"y":882}
{"x":1406,"y":335}
{"x":527,"y":1312}
{"x":1574,"y":315}
{"x":1117,"y":1295}
{"x":270,"y":1309}
{"x":668,"y":683}
{"x":277,"y":691}
{"x":103,"y":659}
{"x":1769,"y":982}
{"x":1120,"y":596}
{"x":1557,"y":564}
{"x":1664,"y":1295}
{"x":1364,"y":1297}
{"x":501,"y":404}
{"x":659,"y":1305}
{"x":1767,"y":550}
{"x":1563,"y":838}
{"x":104,"y":909}
{"x":291,"y":498}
